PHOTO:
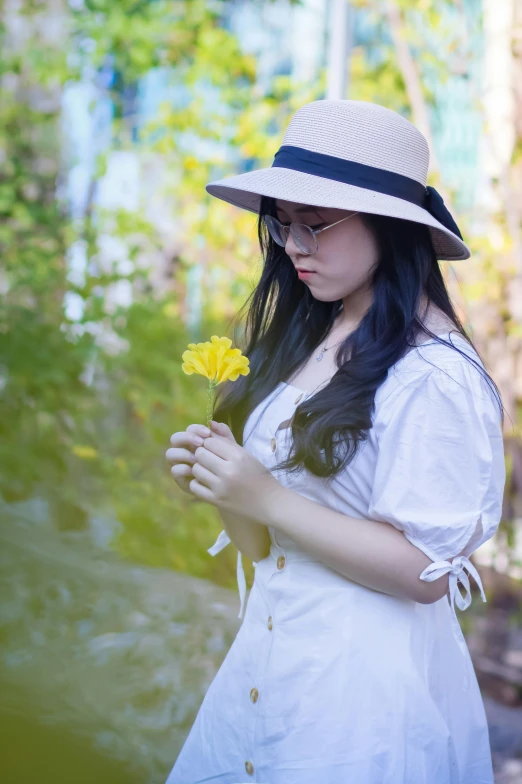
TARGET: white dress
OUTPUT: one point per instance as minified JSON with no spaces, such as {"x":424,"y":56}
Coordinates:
{"x":330,"y":682}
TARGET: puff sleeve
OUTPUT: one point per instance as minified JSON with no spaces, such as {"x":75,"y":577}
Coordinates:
{"x":440,"y":469}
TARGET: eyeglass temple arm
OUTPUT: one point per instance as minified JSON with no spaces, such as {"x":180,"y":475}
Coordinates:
{"x":318,"y":231}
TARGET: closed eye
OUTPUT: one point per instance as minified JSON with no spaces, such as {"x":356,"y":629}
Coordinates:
{"x":314,"y":228}
{"x":305,"y":224}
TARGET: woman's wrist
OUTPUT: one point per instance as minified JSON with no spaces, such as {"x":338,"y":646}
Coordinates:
{"x":249,"y":536}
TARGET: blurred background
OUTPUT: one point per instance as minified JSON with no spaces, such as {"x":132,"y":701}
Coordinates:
{"x":114,"y":114}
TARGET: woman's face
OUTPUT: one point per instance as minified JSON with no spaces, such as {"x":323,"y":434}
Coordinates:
{"x":346,"y":253}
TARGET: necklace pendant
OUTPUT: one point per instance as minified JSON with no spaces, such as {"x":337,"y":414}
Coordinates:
{"x":320,"y":355}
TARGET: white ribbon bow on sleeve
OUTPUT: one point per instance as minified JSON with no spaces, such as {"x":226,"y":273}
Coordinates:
{"x":221,"y":542}
{"x":457,"y":574}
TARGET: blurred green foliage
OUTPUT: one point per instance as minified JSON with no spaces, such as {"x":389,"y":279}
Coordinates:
{"x":83,"y":424}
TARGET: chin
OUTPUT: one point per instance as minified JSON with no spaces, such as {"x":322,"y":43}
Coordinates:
{"x":326,"y":298}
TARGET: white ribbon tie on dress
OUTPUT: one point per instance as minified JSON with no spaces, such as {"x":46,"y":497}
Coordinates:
{"x":221,"y":542}
{"x":457,"y":574}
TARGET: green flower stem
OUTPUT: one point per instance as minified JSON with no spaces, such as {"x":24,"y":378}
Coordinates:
{"x":210,"y":401}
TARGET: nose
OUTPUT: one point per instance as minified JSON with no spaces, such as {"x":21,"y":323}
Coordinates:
{"x":291,"y":248}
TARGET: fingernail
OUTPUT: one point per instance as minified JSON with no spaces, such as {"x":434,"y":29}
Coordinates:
{"x":198,"y":440}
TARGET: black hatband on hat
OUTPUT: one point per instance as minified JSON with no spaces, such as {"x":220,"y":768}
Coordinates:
{"x":368,"y":177}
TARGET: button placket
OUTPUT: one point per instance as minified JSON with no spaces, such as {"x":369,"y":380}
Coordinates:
{"x":273,"y":439}
{"x":279,"y":551}
{"x":285,"y":431}
{"x":281,"y":563}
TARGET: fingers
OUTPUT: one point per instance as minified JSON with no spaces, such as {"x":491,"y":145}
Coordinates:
{"x":184,"y":443}
{"x":203,"y":475}
{"x":191,"y":437}
{"x":182,"y":475}
{"x":181,"y":471}
{"x":181,"y":458}
{"x":176,"y":455}
{"x":199,"y":430}
{"x":201,"y":492}
{"x":221,"y":446}
{"x":197,"y":456}
{"x":208,"y":459}
{"x":221,"y":429}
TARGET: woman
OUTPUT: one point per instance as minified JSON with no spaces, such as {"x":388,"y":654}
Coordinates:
{"x":359,"y":464}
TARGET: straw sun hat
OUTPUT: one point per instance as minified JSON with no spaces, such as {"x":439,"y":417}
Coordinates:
{"x":351,"y":155}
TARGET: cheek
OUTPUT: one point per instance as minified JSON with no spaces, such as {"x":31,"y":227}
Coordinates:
{"x":349,"y":268}
{"x":351,"y":258}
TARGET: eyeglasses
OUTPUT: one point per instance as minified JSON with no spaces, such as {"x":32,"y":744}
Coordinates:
{"x":304,"y":236}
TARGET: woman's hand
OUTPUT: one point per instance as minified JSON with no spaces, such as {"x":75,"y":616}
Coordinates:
{"x":181,"y":454}
{"x":227,"y":476}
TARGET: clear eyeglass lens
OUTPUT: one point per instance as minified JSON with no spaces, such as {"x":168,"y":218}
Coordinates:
{"x":302,"y":235}
{"x":304,"y":238}
{"x":276,"y":230}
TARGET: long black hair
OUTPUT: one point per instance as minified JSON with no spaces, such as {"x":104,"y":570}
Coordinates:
{"x":284,"y":323}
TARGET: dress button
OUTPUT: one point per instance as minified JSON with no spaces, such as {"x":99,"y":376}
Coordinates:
{"x":281,"y":562}
{"x":273,"y":443}
{"x":296,"y":401}
{"x":249,"y":767}
{"x":269,"y":623}
{"x":254,"y":694}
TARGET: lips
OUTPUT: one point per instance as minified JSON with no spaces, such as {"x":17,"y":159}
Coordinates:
{"x":300,"y":269}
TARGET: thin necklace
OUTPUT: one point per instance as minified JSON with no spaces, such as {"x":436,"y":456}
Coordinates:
{"x":320,"y":355}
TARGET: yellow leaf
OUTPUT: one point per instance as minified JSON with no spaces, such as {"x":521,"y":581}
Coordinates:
{"x":85,"y":452}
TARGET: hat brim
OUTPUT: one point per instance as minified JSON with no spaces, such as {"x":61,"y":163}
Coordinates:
{"x":245,"y":191}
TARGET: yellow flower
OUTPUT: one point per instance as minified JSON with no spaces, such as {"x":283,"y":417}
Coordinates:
{"x":215,"y":360}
